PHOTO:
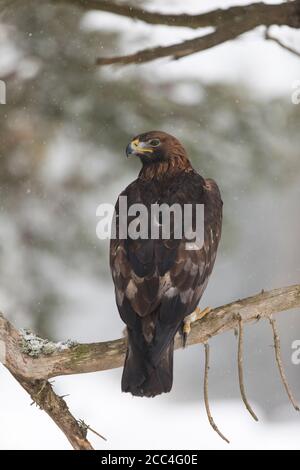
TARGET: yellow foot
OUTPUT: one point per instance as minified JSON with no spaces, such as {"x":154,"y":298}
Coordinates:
{"x":197,"y":314}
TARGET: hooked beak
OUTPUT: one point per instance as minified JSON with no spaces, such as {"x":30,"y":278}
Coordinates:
{"x":136,"y":148}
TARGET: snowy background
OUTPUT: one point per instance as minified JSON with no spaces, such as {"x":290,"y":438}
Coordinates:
{"x":62,"y":138}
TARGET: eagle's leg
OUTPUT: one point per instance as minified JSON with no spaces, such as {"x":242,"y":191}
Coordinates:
{"x":197,"y":314}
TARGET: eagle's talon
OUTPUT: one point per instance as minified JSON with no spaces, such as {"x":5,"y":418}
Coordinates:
{"x":197,"y":314}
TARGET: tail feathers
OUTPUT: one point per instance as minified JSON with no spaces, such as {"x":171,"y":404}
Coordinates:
{"x":141,"y":378}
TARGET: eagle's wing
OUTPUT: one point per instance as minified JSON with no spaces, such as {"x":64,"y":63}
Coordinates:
{"x":133,"y":267}
{"x":187,"y":277}
{"x":192,"y":268}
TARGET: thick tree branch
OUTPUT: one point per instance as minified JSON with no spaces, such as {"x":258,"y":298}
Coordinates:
{"x":43,"y":395}
{"x":106,"y":355}
{"x":229,"y":24}
{"x":33,"y":368}
{"x":263,"y":13}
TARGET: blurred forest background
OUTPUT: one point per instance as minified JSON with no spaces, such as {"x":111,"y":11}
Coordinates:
{"x":63,"y":133}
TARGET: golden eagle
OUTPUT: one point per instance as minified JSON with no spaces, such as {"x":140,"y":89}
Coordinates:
{"x":158,"y":281}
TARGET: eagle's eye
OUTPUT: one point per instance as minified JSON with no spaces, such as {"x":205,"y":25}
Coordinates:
{"x":154,"y":142}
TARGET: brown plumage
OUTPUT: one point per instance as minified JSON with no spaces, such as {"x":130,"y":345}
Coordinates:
{"x":158,"y":282}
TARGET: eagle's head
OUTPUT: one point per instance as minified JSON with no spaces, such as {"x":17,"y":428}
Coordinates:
{"x":155,"y":147}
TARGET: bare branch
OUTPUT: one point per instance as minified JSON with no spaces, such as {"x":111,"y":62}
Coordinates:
{"x":265,"y":14}
{"x":280,"y":365}
{"x":229,"y":24}
{"x":240,"y":369}
{"x":281,"y":44}
{"x":106,"y":355}
{"x":43,"y":395}
{"x":33,"y":371}
{"x":206,"y":400}
{"x":176,"y":51}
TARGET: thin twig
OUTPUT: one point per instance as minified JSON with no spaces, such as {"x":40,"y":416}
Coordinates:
{"x":178,"y":50}
{"x":87,"y":427}
{"x":240,"y":369}
{"x":281,"y":44}
{"x":206,"y":400}
{"x":97,"y":434}
{"x":280,"y":365}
